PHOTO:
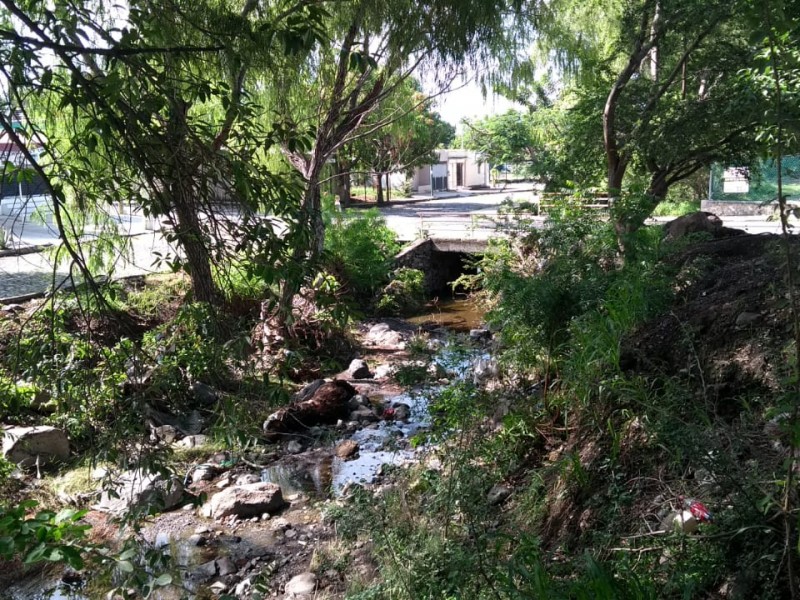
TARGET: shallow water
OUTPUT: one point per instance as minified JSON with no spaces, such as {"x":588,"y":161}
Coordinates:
{"x":458,"y":314}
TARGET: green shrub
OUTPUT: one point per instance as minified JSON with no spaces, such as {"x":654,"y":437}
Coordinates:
{"x":404,"y":295}
{"x":360,"y":251}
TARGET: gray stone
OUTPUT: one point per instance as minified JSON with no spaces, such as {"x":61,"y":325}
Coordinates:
{"x":383,"y":371}
{"x":364,"y":415}
{"x":218,"y":587}
{"x":480,"y":334}
{"x":203,"y":394}
{"x":225,"y":566}
{"x":138,"y":490}
{"x":204,"y":472}
{"x":197,"y":540}
{"x":247,"y":501}
{"x":747,"y":318}
{"x":402,"y":412}
{"x":357,"y":402}
{"x":23,"y":446}
{"x":247,"y":478}
{"x":358,"y":369}
{"x":498,"y":494}
{"x":205,"y":571}
{"x":294,"y":447}
{"x":308,"y":391}
{"x":302,"y":584}
{"x":192,"y":441}
{"x":483,"y":369}
{"x":243,"y":587}
{"x":164,"y":433}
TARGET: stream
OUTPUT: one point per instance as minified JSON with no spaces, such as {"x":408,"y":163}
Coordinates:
{"x":306,"y":478}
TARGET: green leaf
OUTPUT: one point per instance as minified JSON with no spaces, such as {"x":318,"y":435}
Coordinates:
{"x":125,"y":566}
{"x":162,"y":580}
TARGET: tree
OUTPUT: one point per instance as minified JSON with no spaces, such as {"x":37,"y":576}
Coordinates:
{"x":663,"y":79}
{"x":149,"y":106}
{"x":379,"y":46}
{"x":406,"y":140}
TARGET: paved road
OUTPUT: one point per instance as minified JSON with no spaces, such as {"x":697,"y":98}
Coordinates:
{"x":35,"y":273}
{"x":462,"y":217}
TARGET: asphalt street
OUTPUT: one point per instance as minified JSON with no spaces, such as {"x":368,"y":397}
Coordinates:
{"x":465,"y":217}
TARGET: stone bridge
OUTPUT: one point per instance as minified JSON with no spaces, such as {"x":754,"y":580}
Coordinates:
{"x":442,"y":260}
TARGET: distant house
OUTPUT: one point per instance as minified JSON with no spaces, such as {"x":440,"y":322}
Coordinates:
{"x":22,"y":191}
{"x":454,"y":169}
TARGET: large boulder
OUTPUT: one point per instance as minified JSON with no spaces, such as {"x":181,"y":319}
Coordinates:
{"x":136,"y":490}
{"x":327,"y":404}
{"x":25,"y":446}
{"x":698,"y":222}
{"x":244,"y":501}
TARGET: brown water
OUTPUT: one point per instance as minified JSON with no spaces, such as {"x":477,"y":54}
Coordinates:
{"x":458,"y":314}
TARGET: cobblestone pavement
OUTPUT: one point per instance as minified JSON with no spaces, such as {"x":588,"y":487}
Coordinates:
{"x":34,"y":273}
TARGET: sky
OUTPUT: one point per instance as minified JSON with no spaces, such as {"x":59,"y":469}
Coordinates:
{"x":468,"y":102}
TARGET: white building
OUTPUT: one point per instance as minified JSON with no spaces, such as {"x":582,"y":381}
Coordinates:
{"x":22,"y":191}
{"x":455,"y":169}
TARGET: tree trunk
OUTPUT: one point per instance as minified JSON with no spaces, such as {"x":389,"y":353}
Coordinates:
{"x":343,"y":183}
{"x":181,"y":189}
{"x":379,"y":194}
{"x":388,"y":188}
{"x":190,"y":237}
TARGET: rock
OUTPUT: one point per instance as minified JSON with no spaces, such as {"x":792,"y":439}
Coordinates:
{"x":308,"y":390}
{"x":192,"y":441}
{"x":358,"y":369}
{"x":225,"y":566}
{"x":328,"y":404}
{"x":436,"y":370}
{"x":484,"y":368}
{"x":698,"y":222}
{"x":243,"y":587}
{"x":218,"y":588}
{"x":142,"y":491}
{"x":189,"y":424}
{"x":13,"y":308}
{"x":498,"y":494}
{"x":203,"y":394}
{"x":205,"y":571}
{"x":684,"y":522}
{"x":747,"y":318}
{"x":346,"y":449}
{"x":390,"y":334}
{"x":290,"y":534}
{"x":294,"y":447}
{"x":197,"y":540}
{"x":246,"y":501}
{"x":364,"y":415}
{"x":480,"y":334}
{"x":383,"y":371}
{"x":23,"y":446}
{"x":204,"y":472}
{"x":357,"y":402}
{"x":280,"y":524}
{"x":164,"y":433}
{"x":247,"y":479}
{"x":303,"y":584}
{"x":402,"y":412}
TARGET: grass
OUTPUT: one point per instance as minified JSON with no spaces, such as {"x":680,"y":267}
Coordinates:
{"x":676,"y":209}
